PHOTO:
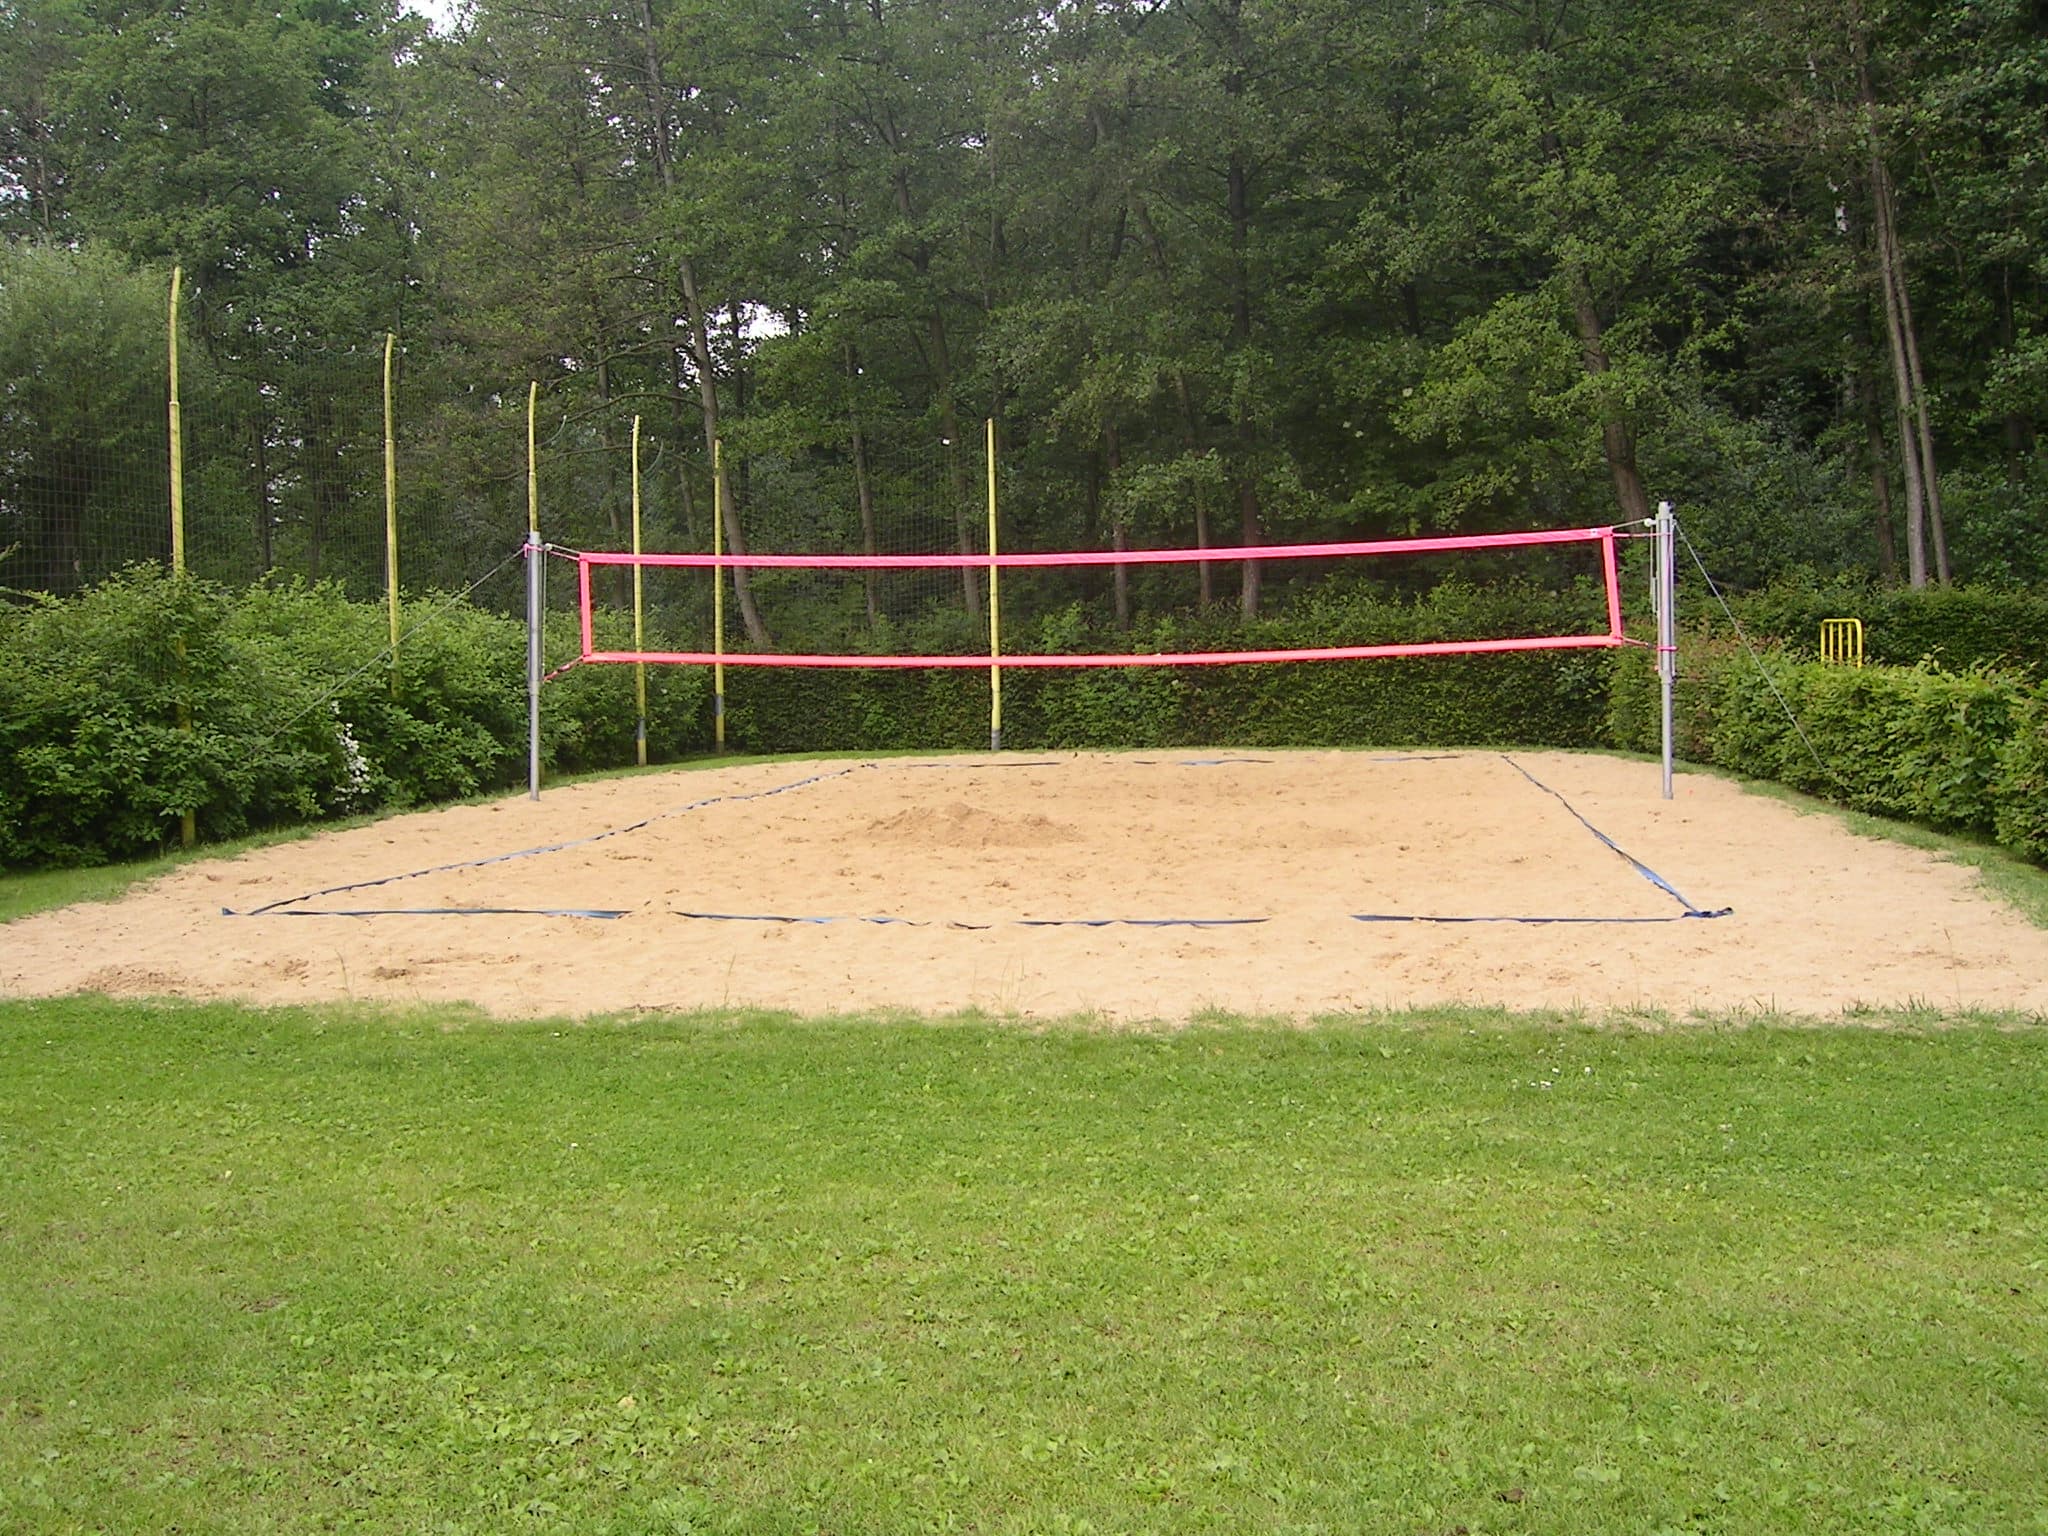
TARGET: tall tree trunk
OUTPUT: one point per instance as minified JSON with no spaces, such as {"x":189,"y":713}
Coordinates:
{"x":1923,"y":429}
{"x":1250,"y":531}
{"x":1184,"y":402}
{"x":698,"y":333}
{"x":622,"y":576}
{"x":1880,"y":483}
{"x":1617,"y":436}
{"x":707,"y":400}
{"x":1191,"y":445}
{"x":1909,"y":383}
{"x":956,"y":482}
{"x":2019,"y":426}
{"x":259,"y":460}
{"x":1860,"y":402}
{"x":1911,"y":460}
{"x":1119,"y":535}
{"x":864,"y":498}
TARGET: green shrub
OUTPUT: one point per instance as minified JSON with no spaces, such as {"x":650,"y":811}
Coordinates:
{"x":1634,"y":702}
{"x":95,"y":761}
{"x":2021,"y":819}
{"x":453,"y":723}
{"x":294,"y":707}
{"x":590,"y":714}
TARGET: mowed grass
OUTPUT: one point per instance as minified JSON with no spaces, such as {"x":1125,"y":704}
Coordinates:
{"x":300,"y":1270}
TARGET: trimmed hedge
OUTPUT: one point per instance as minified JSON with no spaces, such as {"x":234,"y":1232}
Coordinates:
{"x":294,"y":716}
{"x":1552,"y":698}
{"x":1959,"y":627}
{"x":1963,"y":751}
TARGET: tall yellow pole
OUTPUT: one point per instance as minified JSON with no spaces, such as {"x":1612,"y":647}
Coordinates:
{"x":639,"y":611}
{"x":995,"y":608}
{"x":718,"y":595}
{"x":177,"y":439}
{"x":532,"y":462}
{"x":188,"y":822}
{"x":391,"y":508}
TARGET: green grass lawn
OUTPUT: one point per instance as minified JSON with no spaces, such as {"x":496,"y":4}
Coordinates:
{"x":321,"y":1270}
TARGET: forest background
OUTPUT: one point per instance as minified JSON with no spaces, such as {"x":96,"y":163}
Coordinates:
{"x":1220,"y":270}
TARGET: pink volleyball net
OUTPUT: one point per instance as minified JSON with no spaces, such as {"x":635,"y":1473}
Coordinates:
{"x":1601,"y":543}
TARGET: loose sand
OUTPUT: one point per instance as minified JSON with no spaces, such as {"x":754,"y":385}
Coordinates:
{"x":971,"y":851}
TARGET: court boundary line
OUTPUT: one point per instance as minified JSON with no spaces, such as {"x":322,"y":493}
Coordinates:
{"x":293,"y":906}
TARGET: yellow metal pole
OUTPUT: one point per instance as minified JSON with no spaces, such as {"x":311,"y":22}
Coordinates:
{"x":391,"y":508}
{"x":718,"y":594}
{"x":639,"y":611}
{"x":995,"y":608}
{"x":532,"y":462}
{"x":188,"y":822}
{"x":177,"y":439}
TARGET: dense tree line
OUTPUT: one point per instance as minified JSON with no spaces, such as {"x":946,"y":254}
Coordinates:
{"x":1221,"y":270}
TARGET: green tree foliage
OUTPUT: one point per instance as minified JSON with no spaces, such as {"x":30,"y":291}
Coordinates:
{"x":82,"y":417}
{"x":1223,"y":270}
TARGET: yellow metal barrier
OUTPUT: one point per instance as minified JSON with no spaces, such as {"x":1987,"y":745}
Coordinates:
{"x":1841,"y":642}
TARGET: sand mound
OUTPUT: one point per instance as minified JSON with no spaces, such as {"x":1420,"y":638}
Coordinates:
{"x":961,"y":825}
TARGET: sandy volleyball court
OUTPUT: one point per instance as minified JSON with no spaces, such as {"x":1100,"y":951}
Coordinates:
{"x":1133,"y":886}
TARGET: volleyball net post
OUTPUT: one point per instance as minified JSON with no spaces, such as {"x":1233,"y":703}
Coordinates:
{"x":1666,"y":605}
{"x":536,"y":601}
{"x":536,"y":590}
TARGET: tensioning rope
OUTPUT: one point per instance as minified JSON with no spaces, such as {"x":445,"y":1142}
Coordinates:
{"x":1769,"y":681}
{"x":384,"y":655}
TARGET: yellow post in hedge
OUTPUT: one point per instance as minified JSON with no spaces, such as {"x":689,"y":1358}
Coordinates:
{"x":177,"y":439}
{"x":188,"y":822}
{"x":391,"y":510}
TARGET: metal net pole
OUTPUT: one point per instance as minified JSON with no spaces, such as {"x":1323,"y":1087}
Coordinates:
{"x":1667,"y":625}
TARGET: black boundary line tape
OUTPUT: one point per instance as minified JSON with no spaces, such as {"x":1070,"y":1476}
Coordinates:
{"x":1634,"y":863}
{"x":277,"y":908}
{"x":449,"y":912}
{"x":283,"y":908}
{"x":1401,"y":917}
{"x":280,"y":908}
{"x":1649,"y":874}
{"x":1007,"y":922}
{"x":769,"y":917}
